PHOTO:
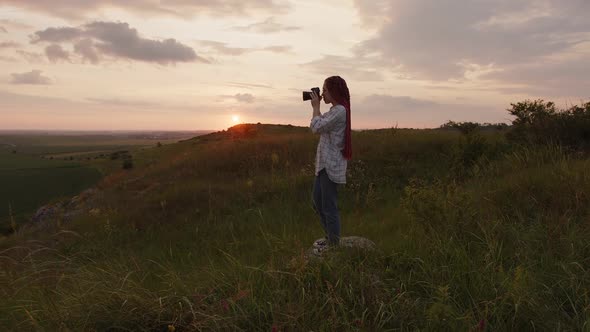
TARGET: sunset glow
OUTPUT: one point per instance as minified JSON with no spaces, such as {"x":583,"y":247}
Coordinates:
{"x":235,"y":119}
{"x":160,"y":64}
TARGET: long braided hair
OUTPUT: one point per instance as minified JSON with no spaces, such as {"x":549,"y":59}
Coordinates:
{"x":339,"y":92}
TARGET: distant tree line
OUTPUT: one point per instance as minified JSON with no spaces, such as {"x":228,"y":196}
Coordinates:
{"x":470,"y":127}
{"x":539,"y":122}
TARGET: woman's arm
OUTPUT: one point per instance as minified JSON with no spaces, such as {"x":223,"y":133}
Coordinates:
{"x":326,"y":122}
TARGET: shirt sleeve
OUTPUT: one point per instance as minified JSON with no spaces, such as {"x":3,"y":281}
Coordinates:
{"x":327,"y":121}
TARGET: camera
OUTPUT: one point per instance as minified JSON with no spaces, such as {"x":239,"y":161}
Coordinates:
{"x":307,"y":94}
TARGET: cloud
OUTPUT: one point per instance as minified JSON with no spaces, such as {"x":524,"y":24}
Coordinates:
{"x":118,"y":40}
{"x":563,"y":77}
{"x":115,"y":39}
{"x":241,"y":97}
{"x":39,"y":112}
{"x":31,"y":57}
{"x":72,"y":9}
{"x":277,"y":49}
{"x":124,"y":102}
{"x":358,"y":68}
{"x":57,"y":35}
{"x":8,"y":58}
{"x":85,"y":48}
{"x":56,"y":53}
{"x":9,"y":44}
{"x":223,"y":49}
{"x":381,"y":111}
{"x":32,"y":77}
{"x":442,"y":40}
{"x":249,"y":85}
{"x":396,"y":103}
{"x":14,"y":25}
{"x":244,"y":98}
{"x":373,"y":13}
{"x":267,"y":26}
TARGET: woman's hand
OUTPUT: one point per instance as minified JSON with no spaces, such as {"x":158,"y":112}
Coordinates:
{"x":315,"y":101}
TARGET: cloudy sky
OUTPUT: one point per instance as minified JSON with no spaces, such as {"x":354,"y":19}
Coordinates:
{"x":205,"y":64}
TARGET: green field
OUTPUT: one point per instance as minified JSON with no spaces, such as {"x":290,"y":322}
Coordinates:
{"x":37,"y":169}
{"x":29,"y":182}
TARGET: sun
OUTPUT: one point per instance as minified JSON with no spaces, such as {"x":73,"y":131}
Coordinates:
{"x":235,"y":118}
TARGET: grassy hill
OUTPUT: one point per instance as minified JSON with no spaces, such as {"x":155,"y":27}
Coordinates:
{"x":473,"y":233}
{"x":40,"y":167}
{"x":28,"y":181}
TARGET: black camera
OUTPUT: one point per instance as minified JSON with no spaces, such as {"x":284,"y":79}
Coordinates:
{"x":307,"y":94}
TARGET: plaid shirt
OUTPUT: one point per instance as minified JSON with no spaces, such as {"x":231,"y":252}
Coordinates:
{"x":331,"y":127}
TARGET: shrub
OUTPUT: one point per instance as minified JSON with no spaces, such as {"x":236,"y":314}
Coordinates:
{"x":127,"y":164}
{"x":540,"y":122}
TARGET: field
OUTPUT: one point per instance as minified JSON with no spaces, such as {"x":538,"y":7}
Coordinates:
{"x":473,"y":233}
{"x":41,"y":167}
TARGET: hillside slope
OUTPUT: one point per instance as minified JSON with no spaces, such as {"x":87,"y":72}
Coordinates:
{"x":209,"y":233}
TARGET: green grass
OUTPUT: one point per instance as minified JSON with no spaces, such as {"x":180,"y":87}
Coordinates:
{"x":208,"y":234}
{"x":37,"y":169}
{"x":29,"y":182}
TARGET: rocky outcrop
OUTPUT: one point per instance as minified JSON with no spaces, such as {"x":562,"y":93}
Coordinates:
{"x":47,"y":212}
{"x":66,"y":209}
{"x":345,"y":242}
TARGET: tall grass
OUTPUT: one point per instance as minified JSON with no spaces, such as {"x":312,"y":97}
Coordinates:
{"x":210,"y":234}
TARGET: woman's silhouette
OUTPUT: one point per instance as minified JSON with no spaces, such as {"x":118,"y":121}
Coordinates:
{"x":333,"y":151}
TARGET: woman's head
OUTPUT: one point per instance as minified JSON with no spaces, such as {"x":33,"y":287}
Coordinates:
{"x":335,"y":91}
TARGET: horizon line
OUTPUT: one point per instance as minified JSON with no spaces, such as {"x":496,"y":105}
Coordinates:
{"x":195,"y":130}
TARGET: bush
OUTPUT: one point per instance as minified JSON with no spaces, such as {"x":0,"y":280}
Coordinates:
{"x":127,"y":164}
{"x":540,"y":122}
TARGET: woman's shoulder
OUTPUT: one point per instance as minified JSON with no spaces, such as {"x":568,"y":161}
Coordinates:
{"x":338,"y":108}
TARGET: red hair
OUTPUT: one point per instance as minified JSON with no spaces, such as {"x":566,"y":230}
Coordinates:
{"x":339,"y":92}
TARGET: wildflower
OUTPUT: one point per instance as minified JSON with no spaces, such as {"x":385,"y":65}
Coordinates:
{"x":171,"y":328}
{"x":275,"y":158}
{"x":482,"y":325}
{"x":225,"y":305}
{"x":240,"y":295}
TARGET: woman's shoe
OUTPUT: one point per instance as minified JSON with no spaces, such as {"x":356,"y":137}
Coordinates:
{"x":320,"y":249}
{"x":320,"y":242}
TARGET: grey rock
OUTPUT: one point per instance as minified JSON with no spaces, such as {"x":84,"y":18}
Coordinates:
{"x":47,"y":212}
{"x":346,"y":242}
{"x":68,"y":209}
{"x":357,"y":242}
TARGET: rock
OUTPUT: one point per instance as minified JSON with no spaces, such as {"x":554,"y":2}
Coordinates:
{"x":347,"y":242}
{"x":75,"y":201}
{"x":47,"y":212}
{"x":94,"y":212}
{"x":82,"y":198}
{"x":68,"y":210}
{"x":88,"y":192}
{"x":70,"y":214}
{"x":357,"y":242}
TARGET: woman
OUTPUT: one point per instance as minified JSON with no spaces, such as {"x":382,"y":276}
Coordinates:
{"x":333,"y":151}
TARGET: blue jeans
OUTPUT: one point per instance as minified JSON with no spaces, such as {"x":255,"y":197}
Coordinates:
{"x":325,"y":197}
